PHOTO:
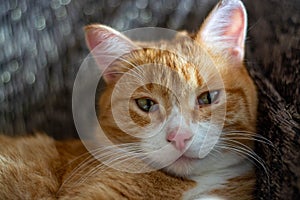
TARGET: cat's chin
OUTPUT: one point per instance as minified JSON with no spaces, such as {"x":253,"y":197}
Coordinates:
{"x":186,"y":159}
{"x":183,"y":166}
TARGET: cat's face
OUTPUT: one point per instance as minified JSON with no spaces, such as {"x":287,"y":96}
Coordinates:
{"x":179,"y":100}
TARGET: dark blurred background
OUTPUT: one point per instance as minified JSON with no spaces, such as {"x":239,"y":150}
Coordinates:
{"x":42,"y":46}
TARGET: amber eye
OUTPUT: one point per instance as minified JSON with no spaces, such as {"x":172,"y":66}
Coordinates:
{"x":207,"y":98}
{"x":146,"y":104}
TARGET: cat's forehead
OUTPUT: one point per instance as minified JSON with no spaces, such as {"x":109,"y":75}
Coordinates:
{"x":182,"y":62}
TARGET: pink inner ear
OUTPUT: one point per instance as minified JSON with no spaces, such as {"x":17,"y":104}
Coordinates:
{"x":91,"y":40}
{"x":236,"y":28}
{"x":107,"y":45}
{"x":225,"y":29}
{"x":96,"y":35}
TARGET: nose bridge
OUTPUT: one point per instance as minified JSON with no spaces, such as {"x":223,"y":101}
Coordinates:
{"x":185,"y":117}
{"x":179,"y":119}
{"x":185,"y":105}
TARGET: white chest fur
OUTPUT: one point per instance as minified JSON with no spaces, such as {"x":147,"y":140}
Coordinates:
{"x":215,"y":179}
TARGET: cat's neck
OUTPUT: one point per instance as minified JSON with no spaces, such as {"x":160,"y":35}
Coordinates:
{"x":226,"y":175}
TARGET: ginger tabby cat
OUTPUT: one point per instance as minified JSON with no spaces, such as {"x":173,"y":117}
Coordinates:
{"x":203,"y":102}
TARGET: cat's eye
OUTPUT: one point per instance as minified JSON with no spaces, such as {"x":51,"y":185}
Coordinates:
{"x":146,"y":104}
{"x":208,"y":97}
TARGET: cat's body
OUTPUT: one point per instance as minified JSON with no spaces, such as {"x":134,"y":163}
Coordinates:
{"x":35,"y":168}
{"x":196,"y":105}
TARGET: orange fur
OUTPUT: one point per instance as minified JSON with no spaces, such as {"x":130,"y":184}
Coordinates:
{"x":38,"y":167}
{"x":35,"y":167}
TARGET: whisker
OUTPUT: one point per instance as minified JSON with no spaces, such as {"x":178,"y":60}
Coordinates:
{"x":91,"y":171}
{"x":74,"y":160}
{"x":248,"y":154}
{"x":216,"y":154}
{"x":92,"y":157}
{"x":243,"y":146}
{"x":110,"y":164}
{"x":250,"y":134}
{"x":76,"y":172}
{"x":248,"y":138}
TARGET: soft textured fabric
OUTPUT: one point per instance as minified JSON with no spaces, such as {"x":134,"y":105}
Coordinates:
{"x":274,"y":63}
{"x":42,"y":47}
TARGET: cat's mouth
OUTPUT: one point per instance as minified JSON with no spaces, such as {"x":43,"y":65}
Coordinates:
{"x":183,"y":166}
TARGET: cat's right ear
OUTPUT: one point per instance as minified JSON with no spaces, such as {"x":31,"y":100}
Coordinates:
{"x":224,"y":30}
{"x":106,"y":45}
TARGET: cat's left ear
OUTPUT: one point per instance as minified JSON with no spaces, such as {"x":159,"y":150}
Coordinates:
{"x":224,"y":30}
{"x":106,"y":46}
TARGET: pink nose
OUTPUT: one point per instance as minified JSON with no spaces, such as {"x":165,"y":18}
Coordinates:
{"x":179,"y":139}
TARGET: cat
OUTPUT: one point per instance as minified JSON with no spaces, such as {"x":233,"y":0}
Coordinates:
{"x":203,"y":101}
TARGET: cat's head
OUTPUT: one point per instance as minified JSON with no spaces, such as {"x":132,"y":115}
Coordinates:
{"x":183,"y":104}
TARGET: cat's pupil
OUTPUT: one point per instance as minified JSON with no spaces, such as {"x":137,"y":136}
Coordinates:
{"x":145,"y":104}
{"x":207,"y":98}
